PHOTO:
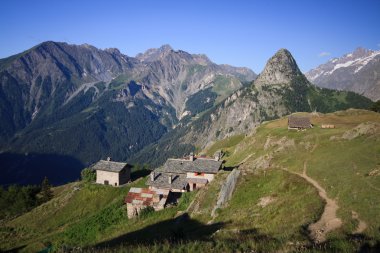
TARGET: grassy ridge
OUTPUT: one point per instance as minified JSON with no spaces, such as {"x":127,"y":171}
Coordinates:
{"x":341,"y":166}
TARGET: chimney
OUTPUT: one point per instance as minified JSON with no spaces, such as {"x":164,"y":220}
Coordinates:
{"x":152,"y":176}
{"x":191,"y":156}
{"x":108,"y":158}
{"x":170,"y":179}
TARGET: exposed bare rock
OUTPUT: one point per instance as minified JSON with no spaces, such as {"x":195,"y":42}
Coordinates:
{"x":280,"y":145}
{"x":280,"y":69}
{"x":374,"y":173}
{"x":261,"y":163}
{"x":226,"y":190}
{"x":368,"y":128}
{"x":264,"y":201}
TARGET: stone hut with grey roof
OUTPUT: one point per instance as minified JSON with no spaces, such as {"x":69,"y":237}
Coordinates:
{"x":299,"y":123}
{"x":186,"y":174}
{"x":112,"y":173}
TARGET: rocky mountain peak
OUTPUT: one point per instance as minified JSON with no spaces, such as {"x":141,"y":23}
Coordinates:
{"x":360,"y":52}
{"x":165,"y":48}
{"x":113,"y":51}
{"x":356,"y":71}
{"x":154,"y":54}
{"x":280,"y":69}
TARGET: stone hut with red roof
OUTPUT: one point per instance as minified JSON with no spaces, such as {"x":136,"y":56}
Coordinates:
{"x":140,"y":198}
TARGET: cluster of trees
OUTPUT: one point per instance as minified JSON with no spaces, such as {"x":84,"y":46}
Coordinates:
{"x":105,"y":127}
{"x":305,"y":98}
{"x":201,"y":101}
{"x":88,"y":175}
{"x":16,"y":199}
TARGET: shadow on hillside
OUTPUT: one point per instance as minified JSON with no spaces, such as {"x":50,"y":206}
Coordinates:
{"x":230,"y":168}
{"x":32,"y":168}
{"x":182,"y":228}
{"x":17,"y":249}
{"x":360,"y":242}
{"x":139,"y":173}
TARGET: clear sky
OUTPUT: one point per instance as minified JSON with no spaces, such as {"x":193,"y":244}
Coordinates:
{"x":240,"y":33}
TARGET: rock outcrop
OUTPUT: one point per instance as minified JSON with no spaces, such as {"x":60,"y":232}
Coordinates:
{"x":280,"y":69}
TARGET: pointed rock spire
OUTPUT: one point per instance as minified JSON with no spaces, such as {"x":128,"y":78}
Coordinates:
{"x":280,"y":69}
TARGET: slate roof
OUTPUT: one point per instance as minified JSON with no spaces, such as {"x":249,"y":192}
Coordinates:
{"x":299,"y":122}
{"x":161,"y":180}
{"x":109,"y":166}
{"x":205,"y":165}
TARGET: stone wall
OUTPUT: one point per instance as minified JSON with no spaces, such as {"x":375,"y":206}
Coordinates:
{"x":226,"y":190}
{"x":111,"y":177}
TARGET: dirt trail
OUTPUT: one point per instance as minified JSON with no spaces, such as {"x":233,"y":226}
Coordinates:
{"x":361,"y":226}
{"x":328,"y":220}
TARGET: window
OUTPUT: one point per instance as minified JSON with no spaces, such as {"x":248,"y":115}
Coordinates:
{"x":199,"y":174}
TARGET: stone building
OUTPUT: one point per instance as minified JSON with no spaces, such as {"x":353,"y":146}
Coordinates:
{"x":112,"y":173}
{"x":140,"y":198}
{"x":186,"y":174}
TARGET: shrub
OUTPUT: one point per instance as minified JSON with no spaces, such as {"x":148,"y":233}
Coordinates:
{"x":88,"y":175}
{"x":146,"y":212}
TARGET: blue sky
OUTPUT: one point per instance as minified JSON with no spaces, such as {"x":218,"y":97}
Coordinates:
{"x":240,"y":33}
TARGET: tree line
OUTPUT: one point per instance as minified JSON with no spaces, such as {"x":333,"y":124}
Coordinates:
{"x":16,"y":200}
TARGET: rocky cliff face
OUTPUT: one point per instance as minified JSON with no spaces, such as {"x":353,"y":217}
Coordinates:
{"x":358,"y":71}
{"x":247,"y":108}
{"x":177,"y":75}
{"x":280,"y":69}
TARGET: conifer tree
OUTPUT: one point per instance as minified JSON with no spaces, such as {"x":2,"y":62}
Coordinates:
{"x":46,"y":192}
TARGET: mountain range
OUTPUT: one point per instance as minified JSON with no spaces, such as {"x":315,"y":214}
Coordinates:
{"x":358,"y":71}
{"x":87,"y":103}
{"x":67,"y":106}
{"x":279,"y":90}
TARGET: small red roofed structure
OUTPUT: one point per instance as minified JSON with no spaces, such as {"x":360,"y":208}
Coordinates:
{"x":140,"y":198}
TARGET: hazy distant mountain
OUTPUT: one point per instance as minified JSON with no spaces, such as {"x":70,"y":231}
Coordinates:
{"x":358,"y":71}
{"x":87,"y":103}
{"x":280,"y":89}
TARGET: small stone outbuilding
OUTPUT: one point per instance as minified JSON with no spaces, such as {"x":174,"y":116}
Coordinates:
{"x":140,"y":198}
{"x":112,"y":173}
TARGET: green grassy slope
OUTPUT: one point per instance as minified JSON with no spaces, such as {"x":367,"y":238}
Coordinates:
{"x":348,"y":169}
{"x":79,"y":215}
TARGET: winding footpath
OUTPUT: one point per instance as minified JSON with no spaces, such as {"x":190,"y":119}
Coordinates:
{"x":328,"y":221}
